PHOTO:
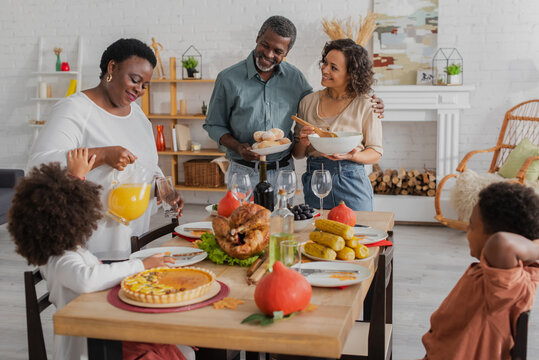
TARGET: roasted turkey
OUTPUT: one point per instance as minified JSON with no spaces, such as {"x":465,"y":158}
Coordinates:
{"x":245,"y":233}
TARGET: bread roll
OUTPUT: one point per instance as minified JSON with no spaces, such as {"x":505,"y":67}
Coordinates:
{"x":267,"y":143}
{"x":258,"y":135}
{"x":268,"y":136}
{"x":255,"y":145}
{"x":284,"y":140}
{"x":279,"y":134}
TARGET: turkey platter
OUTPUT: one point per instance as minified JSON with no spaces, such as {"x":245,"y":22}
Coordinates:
{"x":245,"y":233}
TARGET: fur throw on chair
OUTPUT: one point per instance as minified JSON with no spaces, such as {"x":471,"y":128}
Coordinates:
{"x":468,"y":185}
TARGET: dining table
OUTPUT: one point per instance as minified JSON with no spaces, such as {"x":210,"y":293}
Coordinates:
{"x":321,"y":332}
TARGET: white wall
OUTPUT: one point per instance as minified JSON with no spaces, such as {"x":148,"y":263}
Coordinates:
{"x":497,"y":39}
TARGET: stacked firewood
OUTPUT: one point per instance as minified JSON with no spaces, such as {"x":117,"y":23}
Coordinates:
{"x":403,"y":182}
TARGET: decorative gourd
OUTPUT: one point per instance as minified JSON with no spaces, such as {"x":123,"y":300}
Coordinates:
{"x":227,"y":204}
{"x":343,"y":214}
{"x":282,"y":290}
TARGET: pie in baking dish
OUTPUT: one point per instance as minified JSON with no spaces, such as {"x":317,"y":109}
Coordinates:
{"x":168,"y":285}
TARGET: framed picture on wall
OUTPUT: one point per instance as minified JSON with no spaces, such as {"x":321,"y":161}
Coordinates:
{"x":424,"y":77}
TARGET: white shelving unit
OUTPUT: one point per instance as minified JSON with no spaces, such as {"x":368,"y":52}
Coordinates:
{"x":42,"y":74}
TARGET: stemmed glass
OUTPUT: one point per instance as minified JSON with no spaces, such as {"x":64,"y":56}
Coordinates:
{"x":168,"y":195}
{"x":321,"y":186}
{"x":241,"y":188}
{"x":287,"y":180}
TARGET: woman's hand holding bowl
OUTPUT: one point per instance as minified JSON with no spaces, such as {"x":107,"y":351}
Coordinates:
{"x":347,"y":156}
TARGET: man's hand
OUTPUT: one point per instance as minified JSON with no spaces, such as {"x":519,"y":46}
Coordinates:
{"x":245,"y":151}
{"x":78,"y":164}
{"x":378,"y":106}
{"x":118,"y":157}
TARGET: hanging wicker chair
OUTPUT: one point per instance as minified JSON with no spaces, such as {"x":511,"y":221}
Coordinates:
{"x":521,"y":121}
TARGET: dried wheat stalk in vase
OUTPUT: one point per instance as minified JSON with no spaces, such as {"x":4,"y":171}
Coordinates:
{"x":366,"y":30}
{"x":339,"y":29}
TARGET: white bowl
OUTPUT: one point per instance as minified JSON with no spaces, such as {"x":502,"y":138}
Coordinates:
{"x":344,"y":143}
{"x":300,"y":225}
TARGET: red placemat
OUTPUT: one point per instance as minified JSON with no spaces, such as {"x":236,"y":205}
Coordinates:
{"x":380,"y":243}
{"x":184,"y":237}
{"x":114,"y":299}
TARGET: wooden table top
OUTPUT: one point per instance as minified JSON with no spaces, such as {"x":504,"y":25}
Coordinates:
{"x":321,"y":332}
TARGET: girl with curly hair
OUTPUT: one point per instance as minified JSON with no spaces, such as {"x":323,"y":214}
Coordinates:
{"x":343,"y":105}
{"x":478,"y":317}
{"x":53,"y":214}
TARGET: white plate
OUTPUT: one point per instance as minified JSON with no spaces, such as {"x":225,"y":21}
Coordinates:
{"x":369,"y":234}
{"x":196,"y":225}
{"x":324,"y":279}
{"x":210,"y":210}
{"x":272,"y":149}
{"x":214,"y":290}
{"x":356,"y":261}
{"x":173,"y":250}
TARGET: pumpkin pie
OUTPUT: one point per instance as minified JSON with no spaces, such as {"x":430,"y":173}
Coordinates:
{"x":168,"y":285}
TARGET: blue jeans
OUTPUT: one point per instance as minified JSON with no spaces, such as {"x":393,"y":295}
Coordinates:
{"x":349,"y":183}
{"x":254,"y":174}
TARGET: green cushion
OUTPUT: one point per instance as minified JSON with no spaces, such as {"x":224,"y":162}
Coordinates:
{"x":516,"y":158}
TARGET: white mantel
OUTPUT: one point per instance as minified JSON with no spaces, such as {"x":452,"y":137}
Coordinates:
{"x":443,"y":104}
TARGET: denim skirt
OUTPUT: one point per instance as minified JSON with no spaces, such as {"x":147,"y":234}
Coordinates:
{"x":349,"y":183}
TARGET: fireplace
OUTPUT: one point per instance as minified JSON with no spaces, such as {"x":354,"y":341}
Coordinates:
{"x":441,"y":105}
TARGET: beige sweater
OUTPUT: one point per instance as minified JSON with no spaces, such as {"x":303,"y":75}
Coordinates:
{"x":358,"y":116}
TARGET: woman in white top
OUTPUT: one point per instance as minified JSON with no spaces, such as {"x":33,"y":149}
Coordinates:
{"x":51,"y":218}
{"x":106,"y":120}
{"x":344,"y":105}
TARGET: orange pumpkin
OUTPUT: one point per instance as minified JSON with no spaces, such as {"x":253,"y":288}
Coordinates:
{"x":227,"y":204}
{"x":343,"y":214}
{"x":282,"y":290}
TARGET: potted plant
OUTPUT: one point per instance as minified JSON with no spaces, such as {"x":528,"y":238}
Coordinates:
{"x":453,"y":74}
{"x":204,"y":108}
{"x":190,"y":65}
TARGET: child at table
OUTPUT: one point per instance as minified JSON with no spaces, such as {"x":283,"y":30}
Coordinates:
{"x":52,"y":216}
{"x":479,"y":315}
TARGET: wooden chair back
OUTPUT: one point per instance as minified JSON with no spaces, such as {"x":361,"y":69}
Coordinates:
{"x":521,"y":121}
{"x":34,"y":307}
{"x":137,"y":242}
{"x":378,"y":313}
{"x":521,"y":337}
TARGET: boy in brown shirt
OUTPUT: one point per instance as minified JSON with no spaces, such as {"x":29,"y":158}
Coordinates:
{"x":478,"y":317}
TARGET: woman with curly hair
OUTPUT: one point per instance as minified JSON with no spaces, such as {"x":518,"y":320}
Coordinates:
{"x":53,"y":214}
{"x":107,"y":121}
{"x":343,"y":105}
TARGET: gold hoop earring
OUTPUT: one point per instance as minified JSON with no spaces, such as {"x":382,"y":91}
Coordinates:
{"x":109,"y":77}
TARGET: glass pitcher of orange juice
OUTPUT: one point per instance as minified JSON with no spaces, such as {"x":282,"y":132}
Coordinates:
{"x":130,"y":193}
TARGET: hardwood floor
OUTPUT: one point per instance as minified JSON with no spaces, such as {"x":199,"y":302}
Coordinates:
{"x":428,"y":262}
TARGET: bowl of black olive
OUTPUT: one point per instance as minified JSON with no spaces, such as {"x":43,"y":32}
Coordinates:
{"x":303,"y":216}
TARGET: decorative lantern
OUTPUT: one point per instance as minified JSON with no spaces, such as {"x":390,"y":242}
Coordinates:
{"x":192,"y":63}
{"x":447,"y":67}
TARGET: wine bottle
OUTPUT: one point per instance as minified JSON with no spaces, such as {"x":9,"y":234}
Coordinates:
{"x":281,"y":227}
{"x":263,"y":192}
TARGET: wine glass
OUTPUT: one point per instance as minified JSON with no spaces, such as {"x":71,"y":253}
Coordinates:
{"x":168,"y":195}
{"x":241,"y":188}
{"x":287,"y":180}
{"x":321,"y":186}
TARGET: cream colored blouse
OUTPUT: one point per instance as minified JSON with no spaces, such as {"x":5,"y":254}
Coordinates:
{"x":357,"y":116}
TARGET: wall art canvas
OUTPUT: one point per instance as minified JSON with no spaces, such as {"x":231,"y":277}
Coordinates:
{"x":405,"y":39}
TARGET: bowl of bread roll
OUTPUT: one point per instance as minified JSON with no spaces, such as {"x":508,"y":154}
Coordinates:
{"x":344,"y":143}
{"x":270,"y":142}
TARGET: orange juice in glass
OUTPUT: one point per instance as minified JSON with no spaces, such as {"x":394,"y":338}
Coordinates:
{"x":130,"y":193}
